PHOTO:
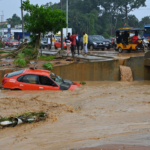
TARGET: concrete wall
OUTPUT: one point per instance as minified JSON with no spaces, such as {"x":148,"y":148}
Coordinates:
{"x":139,"y":70}
{"x":90,"y":71}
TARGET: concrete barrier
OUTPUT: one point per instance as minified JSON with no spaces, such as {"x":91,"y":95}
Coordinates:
{"x":139,"y":70}
{"x":90,"y":71}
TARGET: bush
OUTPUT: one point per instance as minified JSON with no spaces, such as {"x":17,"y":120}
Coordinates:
{"x":2,"y":45}
{"x":47,"y":58}
{"x":3,"y":52}
{"x":28,"y":52}
{"x":20,"y":61}
{"x":48,"y":66}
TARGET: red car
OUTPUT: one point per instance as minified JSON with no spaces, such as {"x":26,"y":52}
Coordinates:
{"x":6,"y":41}
{"x":36,"y":79}
{"x":13,"y":43}
{"x":57,"y":44}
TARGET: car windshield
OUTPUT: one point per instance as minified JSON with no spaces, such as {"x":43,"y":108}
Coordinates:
{"x":43,"y":39}
{"x":100,"y":37}
{"x":56,"y":78}
{"x":95,"y":38}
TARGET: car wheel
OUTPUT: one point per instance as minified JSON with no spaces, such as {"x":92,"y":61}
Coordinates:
{"x":129,"y":50}
{"x":55,"y":47}
{"x":91,"y":48}
{"x":120,"y":50}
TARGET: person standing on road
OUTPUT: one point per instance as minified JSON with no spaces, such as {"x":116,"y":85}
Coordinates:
{"x":73,"y":44}
{"x":78,"y":42}
{"x":68,"y":43}
{"x":49,"y":42}
{"x":85,"y":43}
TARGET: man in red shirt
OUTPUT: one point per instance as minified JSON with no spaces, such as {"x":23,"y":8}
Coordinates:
{"x":73,"y":44}
{"x":135,"y":38}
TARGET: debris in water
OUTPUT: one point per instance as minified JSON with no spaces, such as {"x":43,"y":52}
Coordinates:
{"x":28,"y":117}
{"x":69,"y":59}
{"x":82,"y":83}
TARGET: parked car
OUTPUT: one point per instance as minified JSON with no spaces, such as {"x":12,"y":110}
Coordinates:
{"x":43,"y":43}
{"x":13,"y":43}
{"x":107,"y":42}
{"x":26,"y":39}
{"x":36,"y":79}
{"x":96,"y":42}
{"x":6,"y":41}
{"x":57,"y":44}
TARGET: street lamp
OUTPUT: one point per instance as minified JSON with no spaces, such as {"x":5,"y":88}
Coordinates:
{"x":62,"y":29}
{"x":22,"y":22}
{"x":67,"y":17}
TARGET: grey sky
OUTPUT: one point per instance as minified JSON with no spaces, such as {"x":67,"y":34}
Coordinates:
{"x":10,"y":7}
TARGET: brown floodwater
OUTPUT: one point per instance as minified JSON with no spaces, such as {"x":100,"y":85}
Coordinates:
{"x":94,"y":115}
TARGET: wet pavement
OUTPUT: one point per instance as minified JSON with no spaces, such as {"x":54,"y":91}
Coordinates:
{"x":94,"y":115}
{"x":98,"y":55}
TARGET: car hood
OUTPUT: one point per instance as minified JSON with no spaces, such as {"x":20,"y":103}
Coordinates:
{"x":68,"y":85}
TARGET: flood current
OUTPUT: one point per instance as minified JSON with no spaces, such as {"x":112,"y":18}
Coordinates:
{"x":98,"y":113}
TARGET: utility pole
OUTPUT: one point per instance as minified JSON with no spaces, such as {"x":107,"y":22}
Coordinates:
{"x":67,"y":17}
{"x":22,"y":22}
{"x":62,"y":28}
{"x":1,"y":20}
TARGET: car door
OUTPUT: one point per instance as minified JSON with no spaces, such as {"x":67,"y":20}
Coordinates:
{"x":28,"y":82}
{"x":58,"y":44}
{"x":45,"y":83}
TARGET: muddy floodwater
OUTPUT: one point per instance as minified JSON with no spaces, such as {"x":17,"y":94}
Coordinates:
{"x":97,"y":114}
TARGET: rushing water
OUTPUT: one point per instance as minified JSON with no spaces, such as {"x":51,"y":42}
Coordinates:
{"x":96,"y":114}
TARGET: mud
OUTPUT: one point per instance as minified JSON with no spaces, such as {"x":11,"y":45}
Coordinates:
{"x":96,"y":114}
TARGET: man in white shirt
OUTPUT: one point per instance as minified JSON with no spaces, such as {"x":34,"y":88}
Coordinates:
{"x":49,"y":42}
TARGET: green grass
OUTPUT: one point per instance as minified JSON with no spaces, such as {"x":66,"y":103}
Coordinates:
{"x":1,"y":52}
{"x":48,"y":66}
{"x":47,"y":58}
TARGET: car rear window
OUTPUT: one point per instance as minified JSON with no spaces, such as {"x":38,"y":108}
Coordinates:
{"x":14,"y":73}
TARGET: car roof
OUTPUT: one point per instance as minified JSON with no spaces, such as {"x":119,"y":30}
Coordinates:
{"x":37,"y":71}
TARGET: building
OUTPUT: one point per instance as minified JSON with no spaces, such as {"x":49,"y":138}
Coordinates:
{"x":2,"y":23}
{"x":4,"y":31}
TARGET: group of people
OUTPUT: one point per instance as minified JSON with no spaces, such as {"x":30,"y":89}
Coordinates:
{"x":73,"y":41}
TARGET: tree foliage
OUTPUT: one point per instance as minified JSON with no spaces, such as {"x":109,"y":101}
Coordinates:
{"x":15,"y":20}
{"x":42,"y":20}
{"x":101,"y":16}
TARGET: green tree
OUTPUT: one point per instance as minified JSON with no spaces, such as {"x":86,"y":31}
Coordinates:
{"x":130,"y":5}
{"x":145,"y":20}
{"x":43,"y":20}
{"x":133,"y":21}
{"x":15,"y":20}
{"x":113,"y":8}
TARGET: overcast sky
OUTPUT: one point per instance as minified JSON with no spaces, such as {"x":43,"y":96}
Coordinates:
{"x":10,"y":7}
